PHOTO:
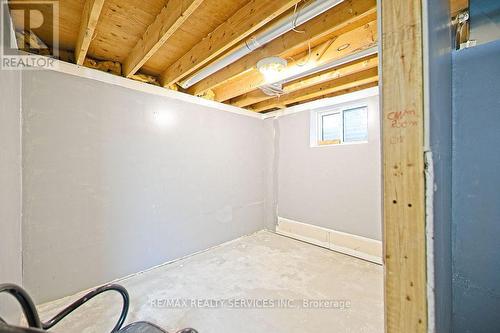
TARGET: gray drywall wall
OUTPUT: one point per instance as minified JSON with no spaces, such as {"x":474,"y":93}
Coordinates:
{"x":476,"y":185}
{"x":336,"y":187}
{"x":117,"y":181}
{"x":10,"y":182}
{"x":440,"y":128}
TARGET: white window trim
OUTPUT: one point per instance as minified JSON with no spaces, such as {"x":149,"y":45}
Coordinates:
{"x":316,"y":124}
{"x":319,"y":124}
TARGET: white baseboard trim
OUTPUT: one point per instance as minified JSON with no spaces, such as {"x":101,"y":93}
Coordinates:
{"x":353,"y":245}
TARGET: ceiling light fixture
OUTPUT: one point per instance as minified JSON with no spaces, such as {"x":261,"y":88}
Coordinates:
{"x":273,"y":89}
{"x":310,"y":10}
{"x":272,"y":68}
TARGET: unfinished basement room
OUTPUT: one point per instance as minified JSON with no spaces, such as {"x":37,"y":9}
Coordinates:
{"x":282,"y":166}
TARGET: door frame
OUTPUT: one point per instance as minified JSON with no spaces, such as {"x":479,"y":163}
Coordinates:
{"x":401,"y":26}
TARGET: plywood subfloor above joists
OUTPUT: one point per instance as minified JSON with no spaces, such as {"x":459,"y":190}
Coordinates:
{"x":169,"y":40}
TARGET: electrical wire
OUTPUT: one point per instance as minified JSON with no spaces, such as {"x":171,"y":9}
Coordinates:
{"x":272,"y":89}
{"x":295,"y":18}
{"x":296,"y":12}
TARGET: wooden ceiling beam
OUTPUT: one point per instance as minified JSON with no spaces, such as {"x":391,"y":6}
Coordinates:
{"x":168,"y":21}
{"x":324,"y":76}
{"x":346,"y":82}
{"x":338,"y":93}
{"x":242,"y":24}
{"x":91,"y":12}
{"x":361,"y":65}
{"x":346,"y":16}
{"x":351,"y":42}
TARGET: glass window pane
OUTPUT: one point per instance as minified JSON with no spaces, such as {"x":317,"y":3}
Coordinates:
{"x":332,"y":127}
{"x":356,"y":125}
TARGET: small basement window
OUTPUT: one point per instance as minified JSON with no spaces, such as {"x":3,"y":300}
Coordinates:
{"x":339,"y":126}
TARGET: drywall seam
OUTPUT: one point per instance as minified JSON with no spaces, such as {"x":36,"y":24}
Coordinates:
{"x":276,"y":161}
{"x":93,"y":74}
{"x":346,"y":243}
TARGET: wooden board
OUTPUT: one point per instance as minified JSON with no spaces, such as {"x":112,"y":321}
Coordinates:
{"x":342,"y":18}
{"x":242,"y":24}
{"x":90,"y":18}
{"x":208,"y":16}
{"x":403,"y":167}
{"x":310,"y":80}
{"x":340,"y":46}
{"x":70,"y":14}
{"x":166,"y":23}
{"x":121,"y":26}
{"x":337,"y":93}
{"x":123,"y":23}
{"x":341,"y":83}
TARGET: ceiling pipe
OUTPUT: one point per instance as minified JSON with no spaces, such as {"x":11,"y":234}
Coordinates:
{"x":334,"y":63}
{"x":286,"y":24}
{"x":276,"y":88}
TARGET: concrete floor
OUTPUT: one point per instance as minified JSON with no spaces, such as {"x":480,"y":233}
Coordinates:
{"x":277,"y":271}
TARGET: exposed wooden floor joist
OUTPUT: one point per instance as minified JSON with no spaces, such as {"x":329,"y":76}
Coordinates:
{"x":348,"y":43}
{"x":338,"y":93}
{"x":344,"y":17}
{"x":90,"y":17}
{"x":331,"y":74}
{"x":242,"y":24}
{"x":345,"y":82}
{"x":171,"y":17}
{"x":165,"y":42}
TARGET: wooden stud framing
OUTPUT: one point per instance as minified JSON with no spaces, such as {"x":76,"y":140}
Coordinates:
{"x":90,"y":17}
{"x":403,"y":167}
{"x":340,"y":19}
{"x":171,"y":17}
{"x":242,"y":24}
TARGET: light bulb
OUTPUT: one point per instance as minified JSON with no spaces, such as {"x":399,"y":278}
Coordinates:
{"x":272,"y":68}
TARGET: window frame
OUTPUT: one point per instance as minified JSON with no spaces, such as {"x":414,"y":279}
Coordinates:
{"x":317,"y":128}
{"x":320,"y":134}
